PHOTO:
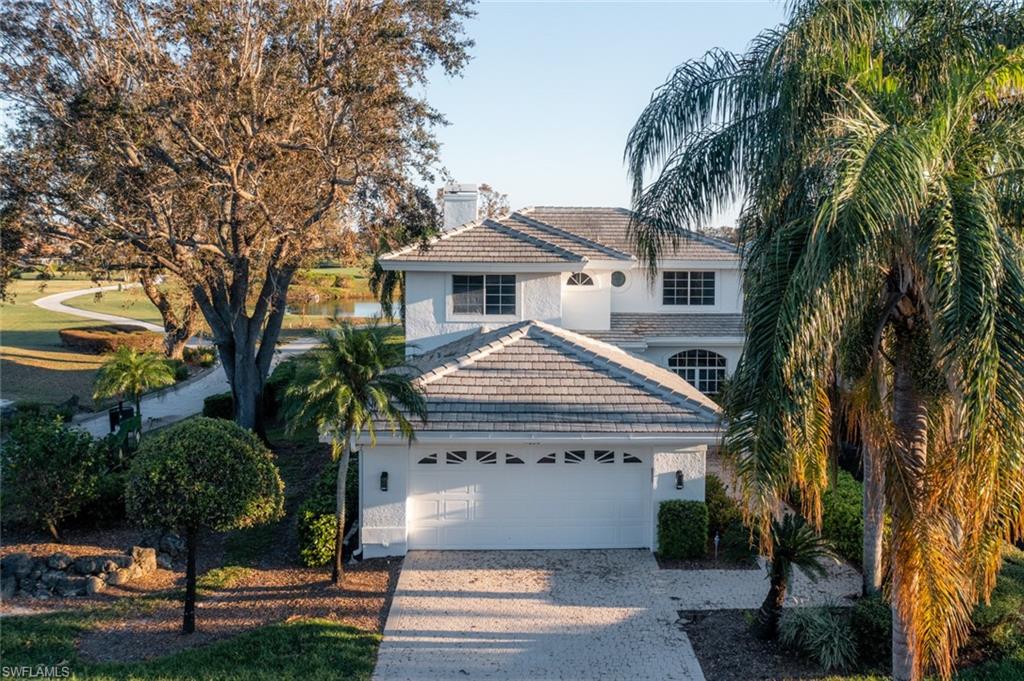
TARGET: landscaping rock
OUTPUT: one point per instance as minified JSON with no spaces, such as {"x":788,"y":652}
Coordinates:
{"x":163,"y":561}
{"x":124,"y":561}
{"x":51,"y":577}
{"x":110,"y":566}
{"x":17,"y":564}
{"x":94,"y":585}
{"x":144,"y":558}
{"x":39,"y":566}
{"x":87,"y":565}
{"x":172,"y":545}
{"x":70,"y":586}
{"x":8,"y":585}
{"x":59,"y":561}
{"x":122,"y":576}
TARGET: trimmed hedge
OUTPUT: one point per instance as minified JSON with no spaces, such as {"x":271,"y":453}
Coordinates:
{"x":316,"y":520}
{"x":723,"y":511}
{"x":103,"y":339}
{"x":871,"y":623}
{"x":842,"y":519}
{"x":219,"y":406}
{"x":682,"y":529}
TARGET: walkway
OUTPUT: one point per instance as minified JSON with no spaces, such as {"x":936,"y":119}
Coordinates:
{"x":166,"y":406}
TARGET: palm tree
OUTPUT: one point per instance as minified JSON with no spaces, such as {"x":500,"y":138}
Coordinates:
{"x":130,"y":373}
{"x":354,"y":381}
{"x":795,"y":544}
{"x":879,"y":149}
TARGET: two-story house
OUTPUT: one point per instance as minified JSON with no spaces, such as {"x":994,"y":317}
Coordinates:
{"x":568,"y":392}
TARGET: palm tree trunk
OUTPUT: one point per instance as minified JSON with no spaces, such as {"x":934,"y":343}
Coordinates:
{"x":910,"y":417}
{"x":874,"y":520}
{"x":337,"y":573}
{"x":771,"y":609}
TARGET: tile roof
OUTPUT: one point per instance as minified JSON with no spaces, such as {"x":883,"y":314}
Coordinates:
{"x":553,"y":234}
{"x":610,"y":226}
{"x":634,"y":327}
{"x":532,"y":377}
{"x":486,"y":241}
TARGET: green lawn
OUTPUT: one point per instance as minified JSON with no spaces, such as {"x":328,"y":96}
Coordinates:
{"x":130,"y":302}
{"x":299,"y":650}
{"x":33,"y":363}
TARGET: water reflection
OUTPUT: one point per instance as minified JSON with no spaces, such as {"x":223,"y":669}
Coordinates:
{"x":339,"y":309}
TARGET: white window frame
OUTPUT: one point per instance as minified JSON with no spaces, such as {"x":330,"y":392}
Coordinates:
{"x":700,"y":374}
{"x":452,"y":316}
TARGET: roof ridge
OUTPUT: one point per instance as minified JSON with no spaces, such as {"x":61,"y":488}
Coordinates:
{"x":446,"y":234}
{"x":538,"y":241}
{"x":514,"y":332}
{"x":516,"y":215}
{"x":580,"y":342}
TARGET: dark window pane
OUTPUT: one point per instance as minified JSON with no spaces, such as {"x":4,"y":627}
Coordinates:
{"x":467,"y":293}
{"x":500,"y":294}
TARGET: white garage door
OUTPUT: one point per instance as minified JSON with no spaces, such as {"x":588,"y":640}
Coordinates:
{"x":517,"y":499}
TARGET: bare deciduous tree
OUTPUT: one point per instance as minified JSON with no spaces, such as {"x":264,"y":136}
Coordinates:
{"x":221,"y":139}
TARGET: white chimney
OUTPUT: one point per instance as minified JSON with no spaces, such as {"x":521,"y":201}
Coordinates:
{"x":460,"y":205}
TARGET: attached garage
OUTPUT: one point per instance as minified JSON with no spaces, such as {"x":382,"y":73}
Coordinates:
{"x":487,"y":498}
{"x":536,"y":438}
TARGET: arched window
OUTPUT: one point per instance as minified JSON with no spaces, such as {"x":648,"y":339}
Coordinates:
{"x":703,"y":369}
{"x":579,"y":279}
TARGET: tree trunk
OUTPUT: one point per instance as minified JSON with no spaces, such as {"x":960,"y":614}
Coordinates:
{"x":337,"y":573}
{"x":771,"y":609}
{"x":177,"y":329}
{"x":188,"y":624}
{"x":910,"y":418}
{"x":54,"y":532}
{"x":874,"y":520}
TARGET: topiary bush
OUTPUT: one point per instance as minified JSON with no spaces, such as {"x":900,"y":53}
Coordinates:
{"x":842,"y":520}
{"x":871,"y":622}
{"x":682,"y":529}
{"x":203,"y":474}
{"x":49,"y":471}
{"x":112,"y":337}
{"x":820,"y":634}
{"x":219,"y":406}
{"x":316,"y":515}
{"x":723,"y":511}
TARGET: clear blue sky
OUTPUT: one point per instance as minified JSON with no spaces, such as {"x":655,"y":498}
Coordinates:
{"x":543,"y":109}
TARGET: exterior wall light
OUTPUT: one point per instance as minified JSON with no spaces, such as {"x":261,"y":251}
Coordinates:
{"x":679,"y":479}
{"x":384,"y":481}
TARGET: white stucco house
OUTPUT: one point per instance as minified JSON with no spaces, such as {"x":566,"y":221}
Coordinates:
{"x":567,"y":396}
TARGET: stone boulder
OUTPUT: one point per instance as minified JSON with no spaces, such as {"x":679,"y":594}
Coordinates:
{"x":17,"y":565}
{"x":110,"y":566}
{"x":94,"y":585}
{"x":164,"y":562}
{"x":59,"y":561}
{"x":51,"y":577}
{"x":70,"y":585}
{"x":144,"y":558}
{"x":87,"y":565}
{"x":172,"y":545}
{"x":8,"y":585}
{"x":123,"y":575}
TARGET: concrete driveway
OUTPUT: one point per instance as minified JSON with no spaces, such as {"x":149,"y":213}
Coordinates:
{"x":525,"y":615}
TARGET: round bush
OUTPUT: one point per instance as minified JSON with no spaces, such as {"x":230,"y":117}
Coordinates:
{"x":723,"y":511}
{"x":842,"y":520}
{"x":871,"y":622}
{"x":682,"y":529}
{"x":204,"y":473}
{"x":219,"y":406}
{"x":316,"y":516}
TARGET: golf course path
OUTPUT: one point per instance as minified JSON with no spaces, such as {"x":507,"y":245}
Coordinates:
{"x":171,"y":404}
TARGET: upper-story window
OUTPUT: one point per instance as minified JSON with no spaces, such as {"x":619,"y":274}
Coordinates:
{"x":484,"y":294}
{"x":579,"y":279}
{"x":688,"y":288}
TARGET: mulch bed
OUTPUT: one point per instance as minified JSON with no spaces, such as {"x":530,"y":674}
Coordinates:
{"x":729,"y":651}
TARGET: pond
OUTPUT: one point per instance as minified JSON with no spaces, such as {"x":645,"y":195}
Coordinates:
{"x":338,"y":309}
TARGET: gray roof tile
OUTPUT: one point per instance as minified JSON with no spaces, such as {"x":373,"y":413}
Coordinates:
{"x":634,"y":327}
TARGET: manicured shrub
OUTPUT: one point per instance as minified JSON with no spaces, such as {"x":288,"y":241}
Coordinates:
{"x":871,"y":622}
{"x":820,"y":634}
{"x":723,"y":511}
{"x":682,"y":529}
{"x":203,"y":474}
{"x":735,"y":545}
{"x":203,"y":356}
{"x":842,"y":520}
{"x":219,"y":406}
{"x":275,"y":387}
{"x":49,"y":472}
{"x":180,"y":369}
{"x":316,"y":515}
{"x":110,"y":338}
